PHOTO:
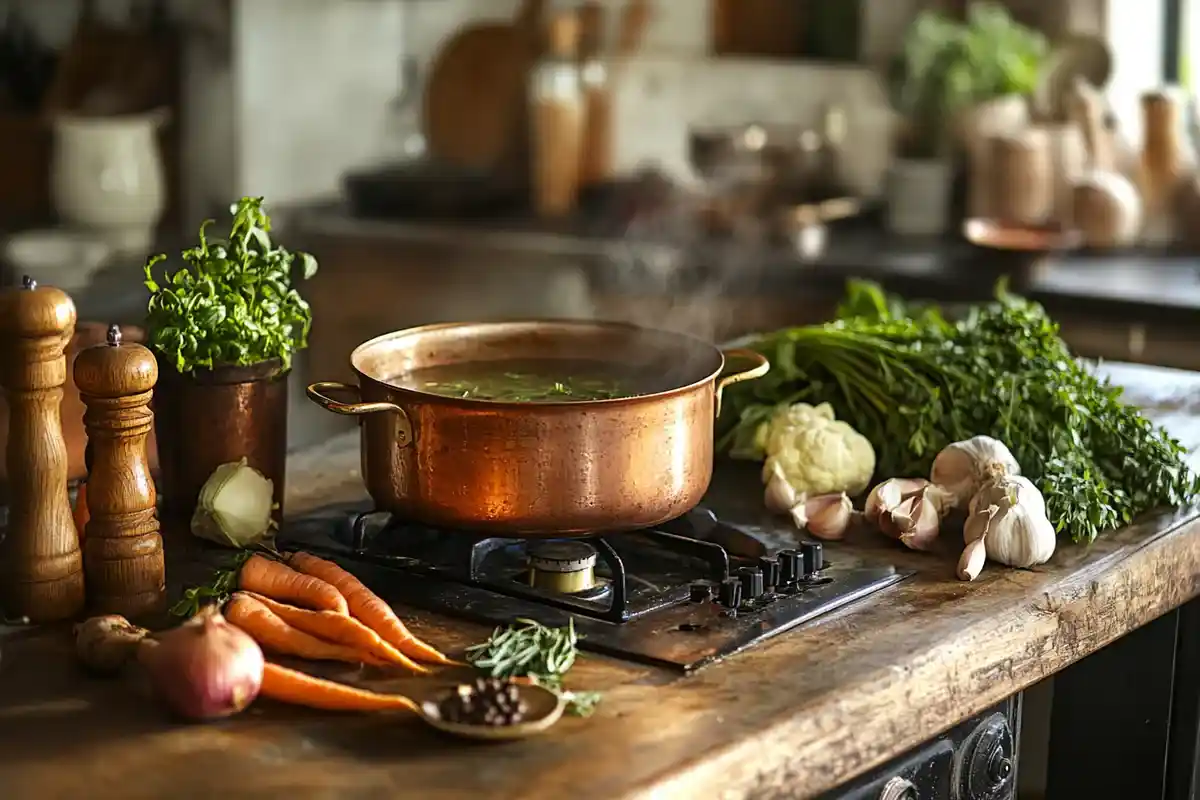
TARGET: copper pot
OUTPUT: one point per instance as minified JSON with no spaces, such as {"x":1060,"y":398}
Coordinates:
{"x":538,"y":469}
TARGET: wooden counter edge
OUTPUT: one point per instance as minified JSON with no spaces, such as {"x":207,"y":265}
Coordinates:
{"x":814,"y":748}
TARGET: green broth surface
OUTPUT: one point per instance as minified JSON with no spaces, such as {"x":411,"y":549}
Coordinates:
{"x":545,"y":380}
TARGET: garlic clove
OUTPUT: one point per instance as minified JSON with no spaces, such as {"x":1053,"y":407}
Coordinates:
{"x":979,"y":522}
{"x":828,"y":515}
{"x":887,"y":495}
{"x":799,"y":515}
{"x":973,"y":557}
{"x":919,"y":521}
{"x":779,"y":496}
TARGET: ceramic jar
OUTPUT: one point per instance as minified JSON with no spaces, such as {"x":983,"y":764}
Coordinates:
{"x":976,"y":128}
{"x":918,"y":197}
{"x":107,"y":177}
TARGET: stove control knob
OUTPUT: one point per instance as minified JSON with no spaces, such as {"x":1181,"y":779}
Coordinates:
{"x":812,"y":555}
{"x":789,"y":567}
{"x":752,"y":582}
{"x":899,"y":789}
{"x":770,"y":571}
{"x":699,"y":592}
{"x":730,"y":593}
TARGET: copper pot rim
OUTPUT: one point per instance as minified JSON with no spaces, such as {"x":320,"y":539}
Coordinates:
{"x":709,"y":377}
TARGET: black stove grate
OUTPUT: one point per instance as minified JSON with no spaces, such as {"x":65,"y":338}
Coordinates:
{"x":666,"y":596}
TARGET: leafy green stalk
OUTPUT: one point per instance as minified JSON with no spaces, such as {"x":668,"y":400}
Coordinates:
{"x":222,"y":584}
{"x":913,"y":382}
{"x":233,"y":302}
{"x":532,"y":650}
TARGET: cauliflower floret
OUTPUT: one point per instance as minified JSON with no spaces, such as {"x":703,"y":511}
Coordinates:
{"x":817,"y":453}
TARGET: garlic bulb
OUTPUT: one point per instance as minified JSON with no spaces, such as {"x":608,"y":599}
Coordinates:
{"x":825,"y":516}
{"x":779,"y":496}
{"x":1014,"y":528}
{"x":908,"y":509}
{"x":1018,"y":487}
{"x":962,"y":467}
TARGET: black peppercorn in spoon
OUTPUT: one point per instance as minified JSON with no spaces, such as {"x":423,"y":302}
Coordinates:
{"x":494,"y":710}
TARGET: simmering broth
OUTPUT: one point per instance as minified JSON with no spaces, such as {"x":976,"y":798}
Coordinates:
{"x":533,"y":380}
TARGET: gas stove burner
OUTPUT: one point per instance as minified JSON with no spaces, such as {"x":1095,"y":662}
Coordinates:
{"x":683,"y":595}
{"x":563,"y":566}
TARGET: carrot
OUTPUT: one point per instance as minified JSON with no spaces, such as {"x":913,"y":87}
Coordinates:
{"x":339,"y":629}
{"x":276,"y":635}
{"x":298,"y":688}
{"x":280,"y":582}
{"x":368,"y":608}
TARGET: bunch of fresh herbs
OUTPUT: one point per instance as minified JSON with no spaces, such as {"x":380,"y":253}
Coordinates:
{"x":912,"y":382}
{"x":532,"y":650}
{"x":233,"y":302}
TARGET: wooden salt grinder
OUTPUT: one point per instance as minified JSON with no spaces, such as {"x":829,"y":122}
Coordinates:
{"x":122,"y":549}
{"x":42,"y":567}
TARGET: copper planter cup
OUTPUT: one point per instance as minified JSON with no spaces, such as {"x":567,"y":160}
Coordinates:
{"x":537,"y":469}
{"x":213,"y":417}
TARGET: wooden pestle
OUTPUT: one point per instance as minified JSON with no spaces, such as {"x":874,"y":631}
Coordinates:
{"x":42,"y":567}
{"x":122,"y":551}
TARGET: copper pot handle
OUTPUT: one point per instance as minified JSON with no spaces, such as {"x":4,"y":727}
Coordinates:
{"x":315,"y":392}
{"x":761,"y":367}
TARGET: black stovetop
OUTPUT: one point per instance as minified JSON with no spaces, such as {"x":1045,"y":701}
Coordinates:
{"x":670,"y":596}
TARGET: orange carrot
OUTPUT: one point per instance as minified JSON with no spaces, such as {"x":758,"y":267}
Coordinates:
{"x":276,"y":635}
{"x":298,"y":688}
{"x":280,"y":582}
{"x":339,"y":629}
{"x":368,"y":608}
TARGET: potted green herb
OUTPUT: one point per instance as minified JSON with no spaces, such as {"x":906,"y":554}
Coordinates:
{"x":954,"y":83}
{"x":225,"y":328}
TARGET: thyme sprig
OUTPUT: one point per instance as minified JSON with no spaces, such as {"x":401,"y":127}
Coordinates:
{"x":531,"y":650}
{"x":215,"y":592}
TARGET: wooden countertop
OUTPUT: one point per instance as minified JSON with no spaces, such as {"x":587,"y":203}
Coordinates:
{"x":790,"y":718}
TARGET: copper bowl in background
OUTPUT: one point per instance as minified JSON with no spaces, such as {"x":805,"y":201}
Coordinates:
{"x":1018,"y":250}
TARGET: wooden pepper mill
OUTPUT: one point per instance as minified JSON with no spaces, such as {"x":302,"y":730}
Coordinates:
{"x":122,"y":549}
{"x":42,"y":568}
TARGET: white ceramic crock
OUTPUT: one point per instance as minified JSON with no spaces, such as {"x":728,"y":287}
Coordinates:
{"x":107,"y":177}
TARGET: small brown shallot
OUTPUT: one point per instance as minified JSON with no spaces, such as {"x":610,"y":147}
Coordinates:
{"x":826,"y":516}
{"x":971,"y":562}
{"x":105,"y":644}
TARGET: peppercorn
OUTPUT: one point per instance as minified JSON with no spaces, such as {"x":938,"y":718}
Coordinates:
{"x":487,"y":701}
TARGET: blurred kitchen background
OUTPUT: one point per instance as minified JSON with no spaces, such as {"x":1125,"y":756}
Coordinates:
{"x":715,"y":166}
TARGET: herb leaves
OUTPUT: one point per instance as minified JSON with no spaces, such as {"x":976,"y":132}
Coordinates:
{"x":233,"y":303}
{"x":913,"y":382}
{"x":532,"y":650}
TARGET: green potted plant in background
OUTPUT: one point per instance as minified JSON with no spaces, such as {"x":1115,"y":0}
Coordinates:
{"x":225,"y":328}
{"x":954,"y":85}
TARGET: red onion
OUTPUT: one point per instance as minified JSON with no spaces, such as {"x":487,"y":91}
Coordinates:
{"x":205,"y":668}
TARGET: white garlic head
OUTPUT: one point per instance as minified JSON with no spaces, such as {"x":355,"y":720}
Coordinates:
{"x":1014,"y":528}
{"x":962,"y":467}
{"x":1016,"y":488}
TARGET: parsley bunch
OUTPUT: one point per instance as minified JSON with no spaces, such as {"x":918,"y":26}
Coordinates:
{"x":913,"y":382}
{"x":233,"y":303}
